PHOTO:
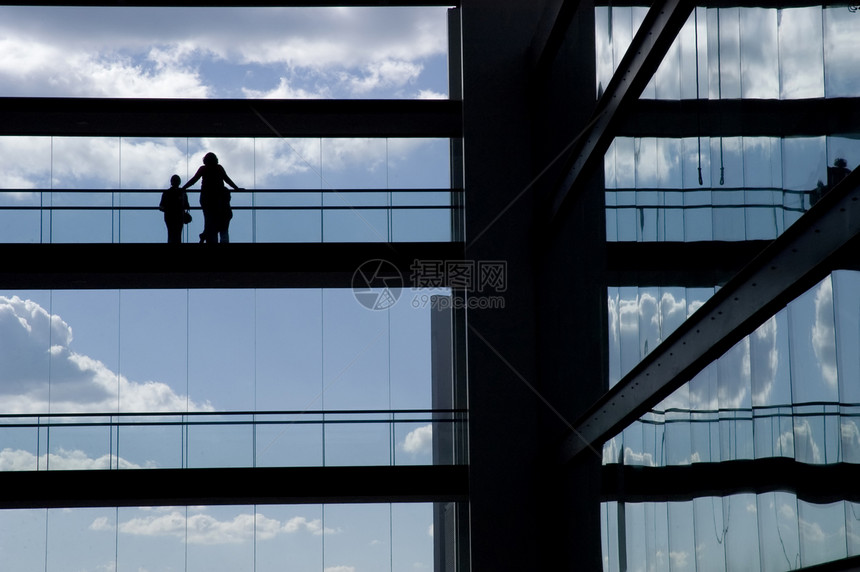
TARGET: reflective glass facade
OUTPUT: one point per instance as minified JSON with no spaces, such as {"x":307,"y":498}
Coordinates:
{"x":783,"y":397}
{"x":767,"y":531}
{"x":787,"y":390}
{"x":749,"y":53}
{"x":751,"y":188}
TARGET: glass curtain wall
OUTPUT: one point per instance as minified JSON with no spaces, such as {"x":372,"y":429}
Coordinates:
{"x":214,"y":378}
{"x":790,"y":389}
{"x":749,"y":53}
{"x":103,"y":190}
{"x":701,"y":188}
{"x":751,"y":188}
{"x":773,"y":532}
{"x":303,"y":538}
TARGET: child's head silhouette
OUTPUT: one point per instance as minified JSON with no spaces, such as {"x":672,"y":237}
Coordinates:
{"x":175,"y":180}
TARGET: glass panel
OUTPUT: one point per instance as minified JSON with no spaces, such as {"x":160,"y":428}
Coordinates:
{"x":414,"y":443}
{"x":759,"y":53}
{"x":424,"y":225}
{"x":357,"y":443}
{"x":30,"y":332}
{"x":219,"y":537}
{"x":153,"y":323}
{"x":840,"y":59}
{"x":77,"y":383}
{"x":636,"y":548}
{"x":822,"y":532}
{"x":149,"y":446}
{"x":356,"y":359}
{"x":610,"y":533}
{"x":150,"y":538}
{"x":289,"y":538}
{"x":412,"y":537}
{"x":741,"y":531}
{"x":224,"y":445}
{"x":80,"y":539}
{"x":813,"y":346}
{"x":288,"y":349}
{"x":22,"y":539}
{"x":221,"y":349}
{"x":682,"y":539}
{"x":852,"y":525}
{"x":728,"y":53}
{"x":710,"y":533}
{"x":362,"y":538}
{"x":801,"y":56}
{"x":291,"y":444}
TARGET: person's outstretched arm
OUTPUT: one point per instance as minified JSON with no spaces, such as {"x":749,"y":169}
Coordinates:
{"x":193,"y":179}
{"x":228,"y":180}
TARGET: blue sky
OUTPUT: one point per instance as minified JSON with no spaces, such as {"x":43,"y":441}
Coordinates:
{"x":178,"y":350}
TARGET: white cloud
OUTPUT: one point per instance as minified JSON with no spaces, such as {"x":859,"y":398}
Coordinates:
{"x":679,"y":559}
{"x":639,"y":458}
{"x":129,"y":52}
{"x":383,"y":74}
{"x":35,"y":349}
{"x":63,"y":459}
{"x":764,"y":352}
{"x":204,"y":529}
{"x":800,"y":443}
{"x":285,"y":90}
{"x":339,"y":569}
{"x":298,"y":523}
{"x":823,"y":333}
{"x":430,"y":94}
{"x":850,"y":441}
{"x":419,"y":440}
{"x":102,"y":523}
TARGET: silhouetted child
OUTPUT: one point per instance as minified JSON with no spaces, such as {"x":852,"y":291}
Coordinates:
{"x":174,"y":205}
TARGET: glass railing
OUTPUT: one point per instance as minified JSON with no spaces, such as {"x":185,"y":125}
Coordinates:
{"x":812,"y":433}
{"x":704,"y":214}
{"x":270,"y":215}
{"x":718,"y":188}
{"x":87,"y":441}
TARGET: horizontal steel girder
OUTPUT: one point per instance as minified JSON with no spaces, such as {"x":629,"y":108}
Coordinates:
{"x":95,"y":117}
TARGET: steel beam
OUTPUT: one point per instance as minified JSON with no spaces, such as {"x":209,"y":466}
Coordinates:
{"x":803,"y":255}
{"x":550,"y":35}
{"x":234,"y":265}
{"x":683,"y":483}
{"x":690,"y":264}
{"x":650,"y":44}
{"x":741,"y":117}
{"x":229,"y":117}
{"x":267,"y":485}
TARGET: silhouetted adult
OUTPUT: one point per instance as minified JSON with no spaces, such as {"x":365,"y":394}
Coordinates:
{"x":214,"y":198}
{"x":174,"y":205}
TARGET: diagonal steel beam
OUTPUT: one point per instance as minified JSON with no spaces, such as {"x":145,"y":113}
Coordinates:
{"x":650,"y":44}
{"x":820,"y":241}
{"x":550,"y":35}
